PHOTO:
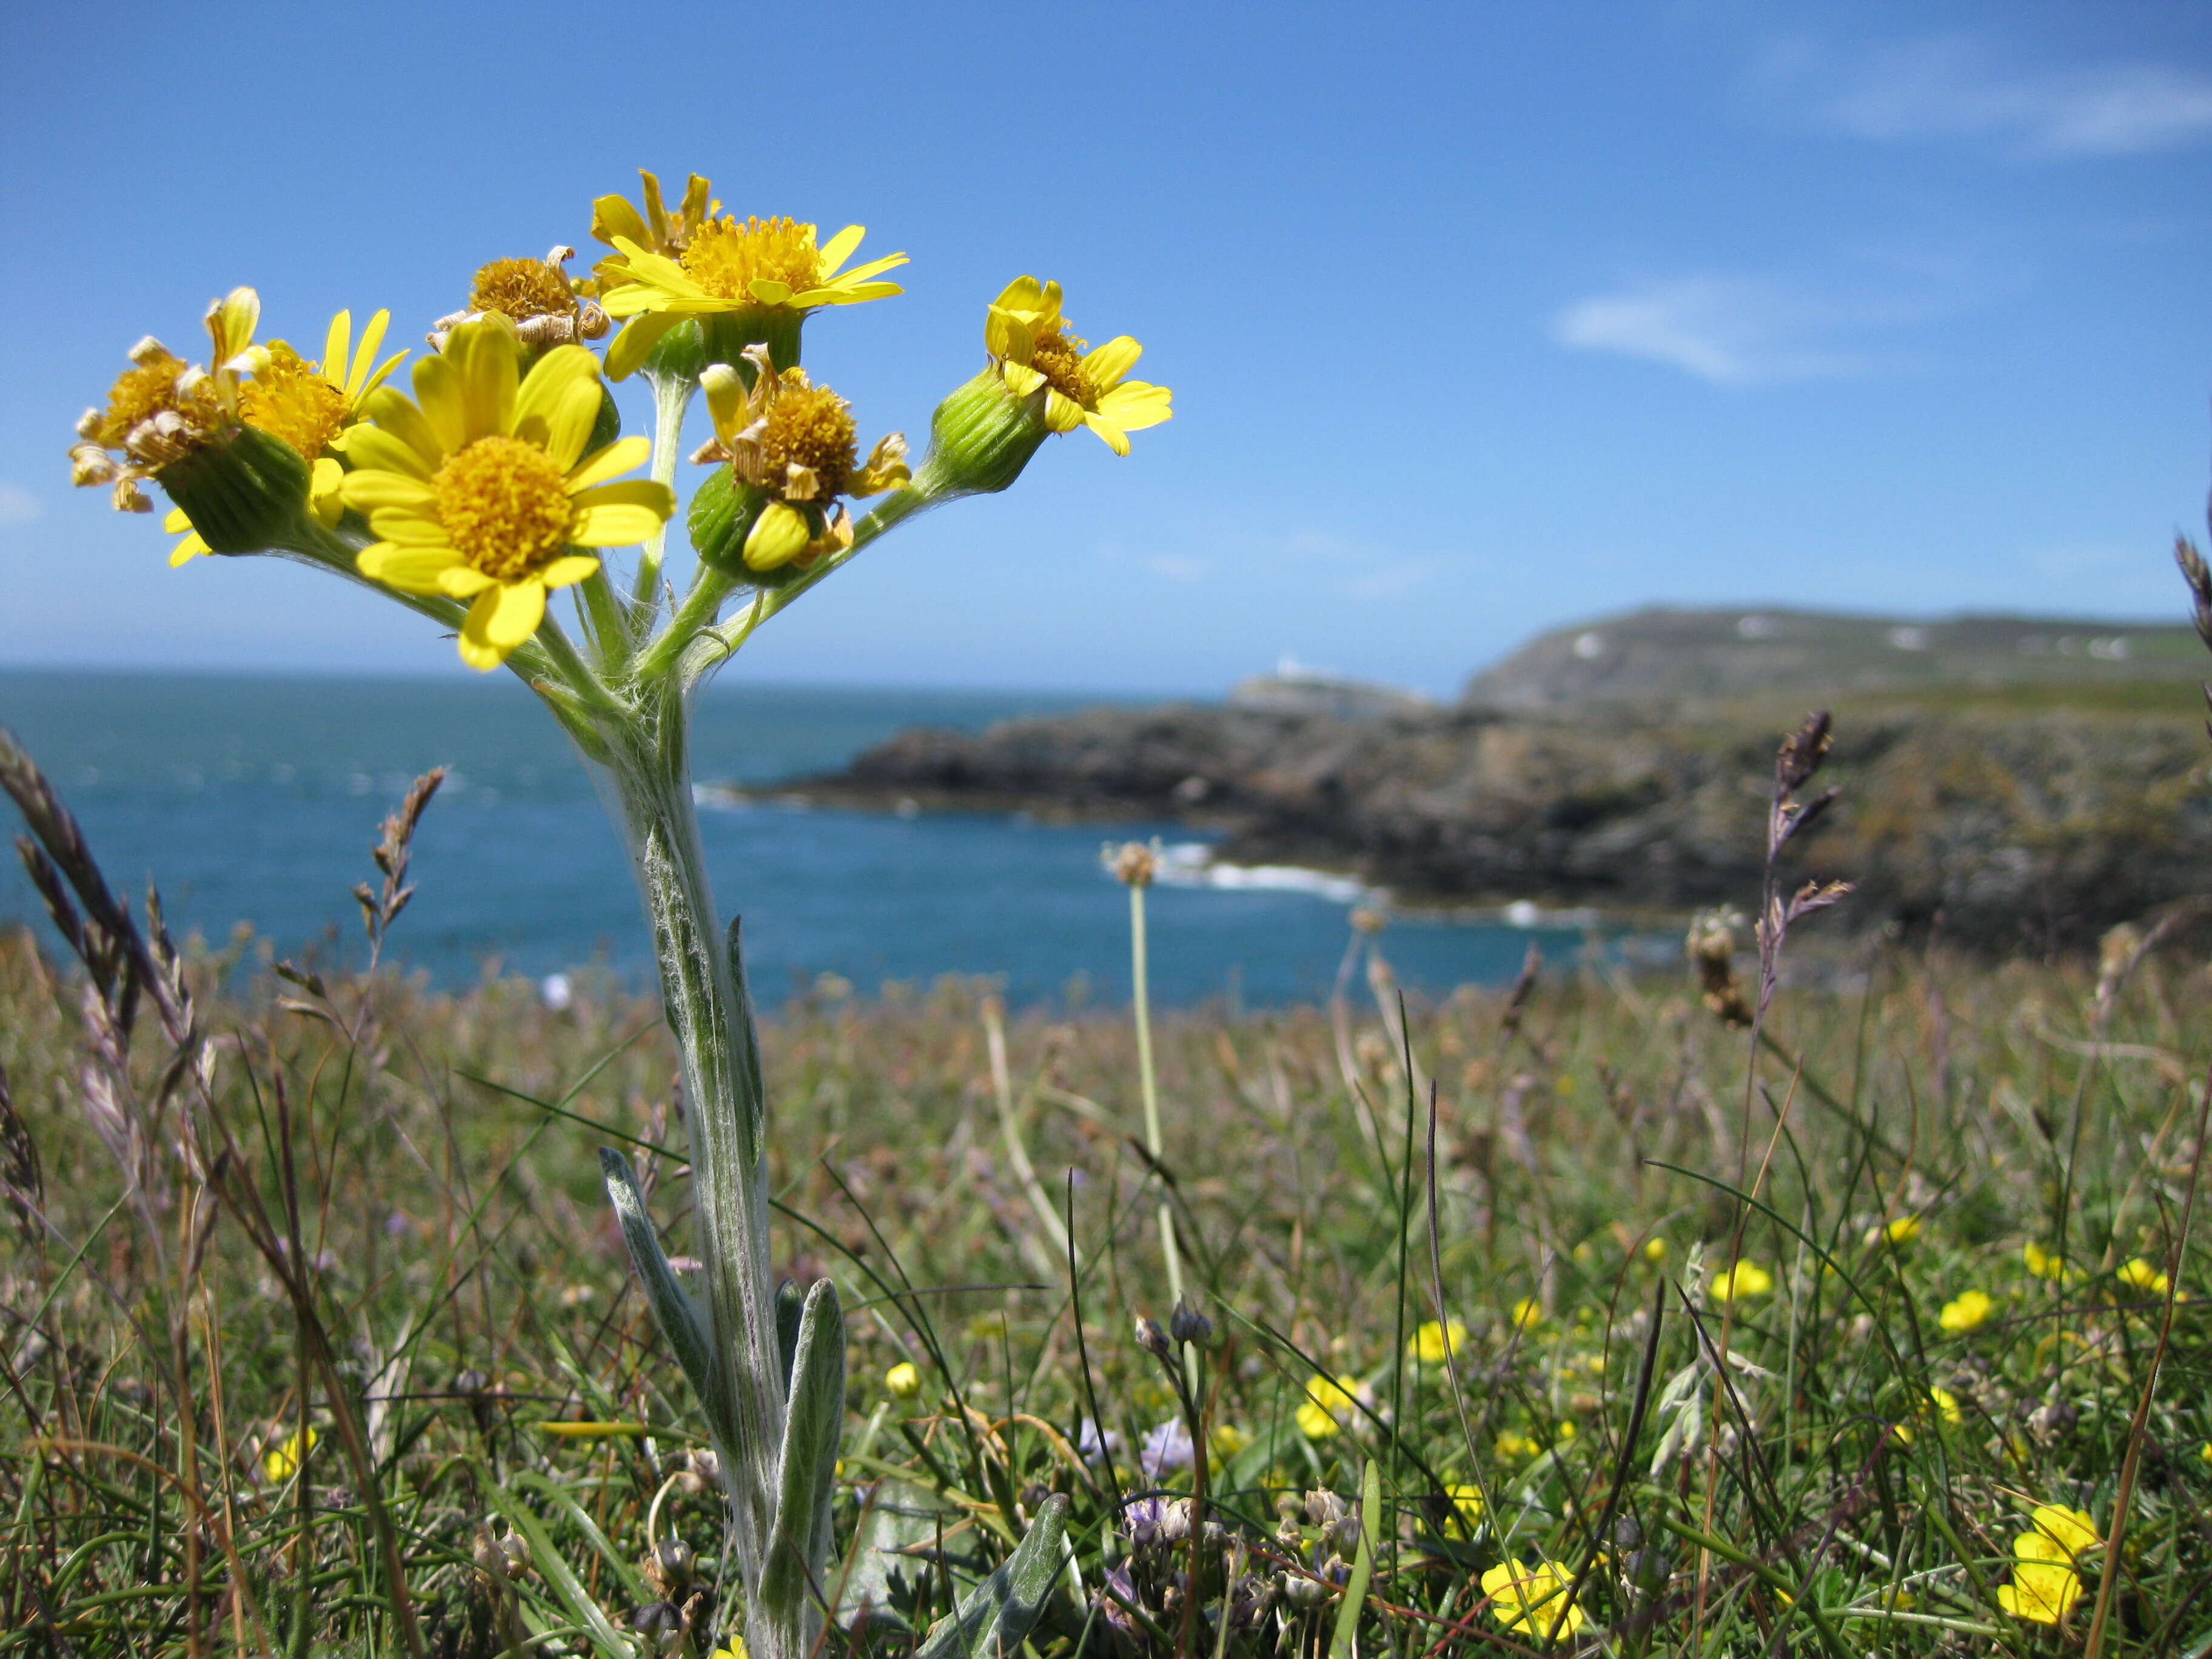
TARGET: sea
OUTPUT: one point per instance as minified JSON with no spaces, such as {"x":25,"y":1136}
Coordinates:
{"x":253,"y":801}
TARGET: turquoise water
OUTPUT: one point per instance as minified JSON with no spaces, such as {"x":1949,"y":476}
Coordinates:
{"x":256,"y":799}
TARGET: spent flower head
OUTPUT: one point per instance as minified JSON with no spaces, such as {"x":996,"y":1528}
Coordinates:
{"x":536,"y":296}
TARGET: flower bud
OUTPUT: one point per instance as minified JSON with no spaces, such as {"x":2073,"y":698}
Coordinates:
{"x":979,"y":440}
{"x":724,"y":510}
{"x":670,"y":1567}
{"x":1153,"y":1339}
{"x":245,"y":492}
{"x":902,"y":1381}
{"x":1187,"y":1325}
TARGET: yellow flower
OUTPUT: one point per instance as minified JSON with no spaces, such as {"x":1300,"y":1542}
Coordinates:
{"x":768,"y":270}
{"x":1514,"y":1447}
{"x":1032,"y":350}
{"x":536,"y":296}
{"x":902,"y":1381}
{"x":1654,"y":1248}
{"x":1466,"y":1502}
{"x":1903,"y":1231}
{"x":656,"y":229}
{"x":2204,"y":1451}
{"x":1528,"y":1599}
{"x":282,"y":1461}
{"x":1945,"y":1402}
{"x":1746,"y":1278}
{"x":2141,"y":1275}
{"x":2056,"y":1534}
{"x":2041,"y":1592}
{"x":310,"y":406}
{"x":2041,"y":1262}
{"x":1527,"y":1314}
{"x":734,"y":1648}
{"x":796,"y":443}
{"x":1433,"y":1343}
{"x":1328,"y":1406}
{"x":482,"y":490}
{"x":1965,"y":1311}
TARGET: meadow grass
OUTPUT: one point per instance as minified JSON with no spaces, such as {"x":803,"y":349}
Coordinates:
{"x":1822,"y":1462}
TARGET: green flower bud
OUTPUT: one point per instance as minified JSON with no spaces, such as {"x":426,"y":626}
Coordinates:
{"x":245,"y":492}
{"x":723,"y":512}
{"x":979,"y":440}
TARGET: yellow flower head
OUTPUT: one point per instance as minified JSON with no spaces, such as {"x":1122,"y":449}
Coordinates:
{"x":2141,"y":1275}
{"x":2041,"y":1592}
{"x":480,"y":490}
{"x":1433,"y":1343}
{"x":1965,"y":1311}
{"x":282,"y":1460}
{"x":656,"y":229}
{"x":902,"y":1381}
{"x":310,"y":406}
{"x":160,"y":410}
{"x":1654,"y":1248}
{"x":1030,"y":345}
{"x":733,"y":1647}
{"x":1528,"y":1600}
{"x":1746,"y":1278}
{"x":767,"y":270}
{"x":2042,"y":1263}
{"x":797,"y":442}
{"x":2056,"y":1533}
{"x":1903,"y":1231}
{"x":1329,"y":1404}
{"x":1527,"y":1314}
{"x":536,"y":296}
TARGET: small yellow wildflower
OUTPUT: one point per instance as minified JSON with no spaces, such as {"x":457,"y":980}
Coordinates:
{"x":1528,"y":1599}
{"x":2141,"y":1275}
{"x":2204,"y":1452}
{"x":2041,"y":1592}
{"x":482,"y":491}
{"x":1513,"y":1447}
{"x":2056,"y":1534}
{"x":902,"y":1381}
{"x":1527,"y":1314}
{"x":1903,"y":1231}
{"x":1964,"y":1312}
{"x":1654,"y":1248}
{"x":2041,"y":1262}
{"x":734,"y":1648}
{"x":766,"y":270}
{"x":1466,"y":1503}
{"x":1433,"y":1343}
{"x":1030,"y":345}
{"x":1746,"y":1278}
{"x":284,"y":1460}
{"x":1328,"y":1406}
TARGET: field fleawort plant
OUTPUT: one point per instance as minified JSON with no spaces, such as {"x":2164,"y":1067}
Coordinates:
{"x":505,"y":479}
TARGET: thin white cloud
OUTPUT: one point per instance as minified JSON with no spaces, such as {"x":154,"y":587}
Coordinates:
{"x":18,"y":506}
{"x":1731,"y":331}
{"x":1951,"y":86}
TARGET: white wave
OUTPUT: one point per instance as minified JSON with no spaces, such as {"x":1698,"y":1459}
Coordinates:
{"x":1192,"y":864}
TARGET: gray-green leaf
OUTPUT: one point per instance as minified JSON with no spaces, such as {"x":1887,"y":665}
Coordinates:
{"x":993,"y":1618}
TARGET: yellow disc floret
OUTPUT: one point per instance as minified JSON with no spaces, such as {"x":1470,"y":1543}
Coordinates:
{"x":725,"y":257}
{"x":1058,"y":356}
{"x":521,"y":289}
{"x":811,"y":428}
{"x":505,"y":505}
{"x":290,"y":398}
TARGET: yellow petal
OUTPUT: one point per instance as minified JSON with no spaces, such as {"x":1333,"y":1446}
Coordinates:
{"x":568,"y":569}
{"x":1061,"y":412}
{"x":1133,"y":405}
{"x":841,"y":296}
{"x":387,"y":446}
{"x":778,"y":536}
{"x":463,"y":581}
{"x":768,"y":291}
{"x":1104,"y":366}
{"x":1021,"y":379}
{"x":604,"y":519}
{"x":639,"y":337}
{"x":338,"y":344}
{"x":726,"y":399}
{"x":444,"y":403}
{"x":187,"y":550}
{"x":506,"y":615}
{"x":412,"y":526}
{"x":366,"y":490}
{"x":1116,"y":439}
{"x":610,"y":461}
{"x":613,"y":217}
{"x":1023,"y":294}
{"x":861,"y":273}
{"x":838,"y":249}
{"x":324,"y":484}
{"x":361,"y":379}
{"x":409,"y":570}
{"x":488,"y":359}
{"x":176,"y":520}
{"x":559,"y":404}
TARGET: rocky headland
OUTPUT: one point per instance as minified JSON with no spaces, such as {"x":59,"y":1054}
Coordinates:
{"x":2022,"y":810}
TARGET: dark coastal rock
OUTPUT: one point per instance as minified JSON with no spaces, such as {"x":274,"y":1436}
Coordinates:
{"x":2006,"y":829}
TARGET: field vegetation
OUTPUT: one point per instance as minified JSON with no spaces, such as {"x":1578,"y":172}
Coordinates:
{"x":1593,"y":1314}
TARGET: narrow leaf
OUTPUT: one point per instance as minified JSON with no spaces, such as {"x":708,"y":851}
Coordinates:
{"x":799,"y":1539}
{"x":993,"y":1618}
{"x":673,"y":1310}
{"x":789,"y":1305}
{"x":567,"y":1588}
{"x":1363,"y":1562}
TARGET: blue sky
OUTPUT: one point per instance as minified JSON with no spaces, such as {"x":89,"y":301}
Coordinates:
{"x":1480,"y":318}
